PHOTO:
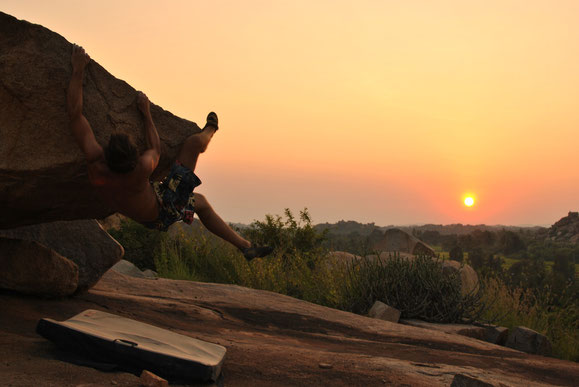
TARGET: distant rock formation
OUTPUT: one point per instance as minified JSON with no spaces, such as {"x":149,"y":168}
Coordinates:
{"x":566,"y":229}
{"x":42,"y":171}
{"x":396,"y":240}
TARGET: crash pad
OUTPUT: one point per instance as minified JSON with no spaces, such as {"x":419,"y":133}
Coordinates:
{"x":135,"y":346}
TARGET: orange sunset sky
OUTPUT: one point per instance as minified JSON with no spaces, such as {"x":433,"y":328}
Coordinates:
{"x":375,"y":111}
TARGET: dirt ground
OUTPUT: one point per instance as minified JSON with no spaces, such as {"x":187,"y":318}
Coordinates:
{"x":271,"y":340}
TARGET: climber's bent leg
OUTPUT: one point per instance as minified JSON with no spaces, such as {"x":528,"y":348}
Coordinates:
{"x":197,"y":143}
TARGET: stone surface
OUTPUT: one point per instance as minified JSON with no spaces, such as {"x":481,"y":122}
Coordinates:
{"x":271,"y":340}
{"x":458,"y":329}
{"x":527,"y":340}
{"x":461,"y":380}
{"x":84,"y":242}
{"x":397,"y":240}
{"x":31,"y":268}
{"x":128,"y":268}
{"x":42,"y":171}
{"x":149,"y":379}
{"x":150,"y":274}
{"x":468,"y":277}
{"x":566,"y":229}
{"x":384,"y":312}
{"x":341,"y":259}
{"x":496,"y":335}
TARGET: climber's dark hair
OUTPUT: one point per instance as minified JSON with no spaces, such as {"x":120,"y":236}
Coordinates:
{"x":121,"y":153}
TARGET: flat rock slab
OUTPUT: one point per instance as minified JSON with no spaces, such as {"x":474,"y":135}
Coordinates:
{"x":475,"y":332}
{"x":271,"y":340}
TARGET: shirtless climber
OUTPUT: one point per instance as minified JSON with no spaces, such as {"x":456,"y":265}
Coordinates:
{"x":121,"y":175}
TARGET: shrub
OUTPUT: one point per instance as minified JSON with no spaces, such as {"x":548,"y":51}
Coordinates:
{"x":289,"y":237}
{"x":418,"y":288}
{"x":515,"y":306}
{"x":139,"y":242}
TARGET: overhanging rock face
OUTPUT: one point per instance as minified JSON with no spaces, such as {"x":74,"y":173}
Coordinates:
{"x":42,"y":171}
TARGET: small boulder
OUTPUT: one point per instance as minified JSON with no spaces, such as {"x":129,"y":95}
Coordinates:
{"x":496,"y":335}
{"x":149,"y":379}
{"x":468,"y":277}
{"x":31,"y":268}
{"x":384,"y":312}
{"x":82,"y":241}
{"x":128,"y":268}
{"x":527,"y":340}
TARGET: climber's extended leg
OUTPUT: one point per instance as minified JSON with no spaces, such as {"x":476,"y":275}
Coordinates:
{"x":217,"y":226}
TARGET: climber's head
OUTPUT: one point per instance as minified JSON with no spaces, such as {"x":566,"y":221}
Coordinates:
{"x":121,"y":153}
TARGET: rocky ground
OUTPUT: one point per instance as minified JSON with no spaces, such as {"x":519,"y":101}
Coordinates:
{"x":271,"y":340}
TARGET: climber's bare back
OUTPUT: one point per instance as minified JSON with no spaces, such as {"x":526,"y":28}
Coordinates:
{"x":131,"y":194}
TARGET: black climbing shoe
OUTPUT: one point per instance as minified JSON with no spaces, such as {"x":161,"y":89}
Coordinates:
{"x":256,"y":252}
{"x":212,"y":121}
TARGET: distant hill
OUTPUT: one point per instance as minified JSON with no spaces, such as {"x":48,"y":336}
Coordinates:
{"x":564,"y":230}
{"x":344,"y":227}
{"x":347,"y":227}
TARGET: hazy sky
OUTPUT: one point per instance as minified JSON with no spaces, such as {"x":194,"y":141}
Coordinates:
{"x":375,"y":111}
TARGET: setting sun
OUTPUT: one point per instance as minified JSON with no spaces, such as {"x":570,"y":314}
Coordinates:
{"x":469,"y":201}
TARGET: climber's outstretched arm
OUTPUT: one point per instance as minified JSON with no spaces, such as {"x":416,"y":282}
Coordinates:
{"x":150,"y":158}
{"x":81,"y":129}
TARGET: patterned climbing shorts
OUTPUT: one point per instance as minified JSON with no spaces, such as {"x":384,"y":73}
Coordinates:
{"x":176,"y":197}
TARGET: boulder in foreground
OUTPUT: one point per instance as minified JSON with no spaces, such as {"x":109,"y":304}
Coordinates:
{"x":42,"y":171}
{"x":31,"y":268}
{"x":83,"y":242}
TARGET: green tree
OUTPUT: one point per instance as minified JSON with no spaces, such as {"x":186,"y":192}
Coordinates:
{"x":456,"y":253}
{"x":139,"y":242}
{"x":510,"y":242}
{"x":476,"y":258}
{"x":287,"y":236}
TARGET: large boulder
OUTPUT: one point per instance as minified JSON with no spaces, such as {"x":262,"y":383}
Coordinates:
{"x":84,"y":242}
{"x":31,"y":268}
{"x":396,"y":240}
{"x":42,"y":171}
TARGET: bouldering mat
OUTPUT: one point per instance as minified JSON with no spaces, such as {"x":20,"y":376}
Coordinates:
{"x":134,"y":346}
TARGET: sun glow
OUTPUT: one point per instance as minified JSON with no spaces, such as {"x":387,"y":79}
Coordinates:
{"x":469,"y":201}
